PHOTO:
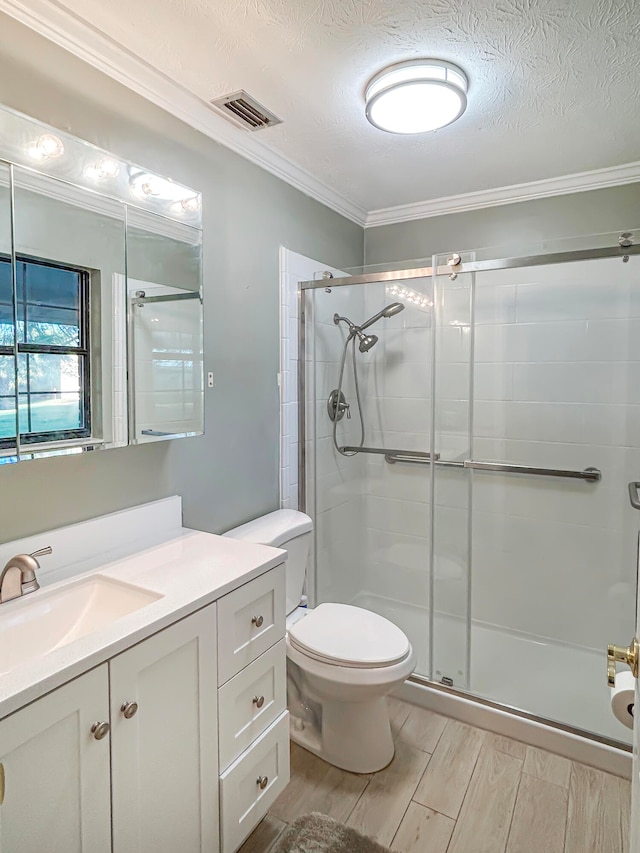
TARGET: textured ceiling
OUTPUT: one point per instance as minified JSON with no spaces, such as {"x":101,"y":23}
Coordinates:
{"x":554,"y":84}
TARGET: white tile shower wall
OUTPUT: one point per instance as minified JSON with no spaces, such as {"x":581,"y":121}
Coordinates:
{"x":293,"y":269}
{"x":557,"y":384}
{"x":334,"y":482}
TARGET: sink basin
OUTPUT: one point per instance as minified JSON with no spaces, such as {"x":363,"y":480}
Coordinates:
{"x":43,"y":621}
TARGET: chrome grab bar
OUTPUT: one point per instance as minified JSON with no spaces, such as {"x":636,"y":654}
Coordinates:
{"x":419,"y":457}
{"x":412,"y":455}
{"x":591,"y":475}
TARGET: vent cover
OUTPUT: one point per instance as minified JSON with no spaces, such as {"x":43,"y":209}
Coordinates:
{"x":245,"y":111}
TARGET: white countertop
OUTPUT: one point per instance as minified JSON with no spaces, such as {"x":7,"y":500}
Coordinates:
{"x":189,"y":572}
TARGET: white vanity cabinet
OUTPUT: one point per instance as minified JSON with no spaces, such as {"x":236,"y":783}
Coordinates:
{"x":160,"y":791}
{"x":178,"y":743}
{"x":164,"y":740}
{"x":252,"y":702}
{"x":55,"y":790}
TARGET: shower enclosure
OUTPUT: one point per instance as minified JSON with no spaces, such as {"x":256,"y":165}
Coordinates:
{"x":471,"y":483}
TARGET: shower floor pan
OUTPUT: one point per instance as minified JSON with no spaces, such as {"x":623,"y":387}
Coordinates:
{"x":552,"y":680}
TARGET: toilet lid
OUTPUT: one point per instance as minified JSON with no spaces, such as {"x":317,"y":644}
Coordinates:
{"x":349,"y":636}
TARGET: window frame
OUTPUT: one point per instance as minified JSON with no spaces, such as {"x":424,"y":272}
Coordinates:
{"x":83,"y":351}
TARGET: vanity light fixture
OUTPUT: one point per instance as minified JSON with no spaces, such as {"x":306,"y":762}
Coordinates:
{"x":47,"y":147}
{"x":106,"y":168}
{"x":191,"y":204}
{"x":180,"y":200}
{"x":416,"y":96}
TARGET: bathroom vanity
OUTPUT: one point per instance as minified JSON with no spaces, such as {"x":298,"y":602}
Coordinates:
{"x":164,"y":728}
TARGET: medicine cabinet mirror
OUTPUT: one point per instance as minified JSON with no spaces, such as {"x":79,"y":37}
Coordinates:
{"x":100,"y":298}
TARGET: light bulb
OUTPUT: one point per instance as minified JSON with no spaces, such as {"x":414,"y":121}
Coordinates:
{"x":107,"y":168}
{"x":48,"y":147}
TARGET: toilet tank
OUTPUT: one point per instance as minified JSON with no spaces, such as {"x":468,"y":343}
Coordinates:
{"x":287,"y":529}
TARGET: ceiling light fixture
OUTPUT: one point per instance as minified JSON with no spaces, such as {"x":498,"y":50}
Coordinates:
{"x":416,"y":96}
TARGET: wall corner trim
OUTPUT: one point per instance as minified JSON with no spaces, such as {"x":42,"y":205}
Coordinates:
{"x":61,"y":26}
{"x":613,"y":176}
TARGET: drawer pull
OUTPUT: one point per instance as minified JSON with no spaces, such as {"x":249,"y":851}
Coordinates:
{"x":129,"y":709}
{"x":257,"y":621}
{"x":262,"y":782}
{"x":100,"y":730}
{"x":258,"y":701}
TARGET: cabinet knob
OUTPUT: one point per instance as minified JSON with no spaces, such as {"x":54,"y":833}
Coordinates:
{"x":258,"y":701}
{"x":100,"y":730}
{"x":262,"y":782}
{"x":257,"y":621}
{"x":129,"y":709}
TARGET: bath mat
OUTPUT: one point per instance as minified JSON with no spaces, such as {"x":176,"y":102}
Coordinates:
{"x":317,"y":833}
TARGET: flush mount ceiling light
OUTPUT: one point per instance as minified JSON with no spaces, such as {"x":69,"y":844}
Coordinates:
{"x":416,"y":96}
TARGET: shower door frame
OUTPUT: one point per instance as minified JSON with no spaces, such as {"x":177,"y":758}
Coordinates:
{"x":453,"y":267}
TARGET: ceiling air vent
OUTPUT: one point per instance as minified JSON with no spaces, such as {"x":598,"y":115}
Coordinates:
{"x":244,"y":110}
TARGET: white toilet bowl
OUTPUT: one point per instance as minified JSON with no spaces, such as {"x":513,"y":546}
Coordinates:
{"x":343,"y":661}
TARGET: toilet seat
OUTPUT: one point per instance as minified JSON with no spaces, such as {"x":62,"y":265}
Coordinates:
{"x":344,"y":635}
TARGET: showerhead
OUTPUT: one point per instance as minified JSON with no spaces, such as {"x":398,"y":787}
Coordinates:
{"x":393,"y":309}
{"x":388,"y":311}
{"x":367,"y":341}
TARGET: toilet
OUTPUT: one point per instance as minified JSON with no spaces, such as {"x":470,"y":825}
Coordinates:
{"x":342,"y":660}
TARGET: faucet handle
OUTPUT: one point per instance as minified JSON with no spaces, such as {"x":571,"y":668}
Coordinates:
{"x":42,"y":552}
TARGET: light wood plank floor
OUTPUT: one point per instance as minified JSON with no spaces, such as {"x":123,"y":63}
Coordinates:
{"x":452,"y":788}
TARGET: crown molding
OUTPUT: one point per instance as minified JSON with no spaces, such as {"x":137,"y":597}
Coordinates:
{"x":75,"y":35}
{"x":613,"y":176}
{"x":64,"y":28}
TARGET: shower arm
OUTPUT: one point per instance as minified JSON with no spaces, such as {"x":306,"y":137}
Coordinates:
{"x":353,"y":329}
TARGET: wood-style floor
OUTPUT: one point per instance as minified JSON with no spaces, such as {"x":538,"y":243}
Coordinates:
{"x":452,"y":788}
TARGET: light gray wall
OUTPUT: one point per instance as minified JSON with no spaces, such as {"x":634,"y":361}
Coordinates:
{"x":230,"y":474}
{"x":515,"y":225}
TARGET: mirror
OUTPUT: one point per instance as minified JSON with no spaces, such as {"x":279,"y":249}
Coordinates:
{"x":101,"y":340}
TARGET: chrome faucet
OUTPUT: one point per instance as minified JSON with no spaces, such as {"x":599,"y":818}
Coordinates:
{"x":19,"y":575}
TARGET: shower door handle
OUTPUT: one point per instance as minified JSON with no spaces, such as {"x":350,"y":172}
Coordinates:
{"x":622,"y":654}
{"x":634,"y":494}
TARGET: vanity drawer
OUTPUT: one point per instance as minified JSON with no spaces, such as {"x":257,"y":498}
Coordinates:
{"x":250,"y":786}
{"x":251,"y":619}
{"x":250,"y":701}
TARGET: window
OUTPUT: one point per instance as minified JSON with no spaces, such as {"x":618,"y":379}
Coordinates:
{"x":53,"y":353}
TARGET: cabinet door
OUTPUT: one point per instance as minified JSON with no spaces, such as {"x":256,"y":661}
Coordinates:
{"x":56,"y":774}
{"x":164,"y":759}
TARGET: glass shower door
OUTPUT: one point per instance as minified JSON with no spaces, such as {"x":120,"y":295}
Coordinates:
{"x":371,"y":503}
{"x":556,"y":387}
{"x":450,"y":498}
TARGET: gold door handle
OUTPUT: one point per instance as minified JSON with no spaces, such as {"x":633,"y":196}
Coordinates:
{"x":622,"y":654}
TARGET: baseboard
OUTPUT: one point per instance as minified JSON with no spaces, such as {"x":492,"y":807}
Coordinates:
{"x":570,"y":745}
